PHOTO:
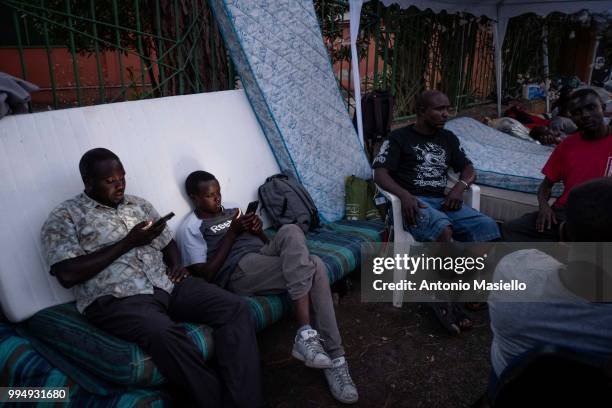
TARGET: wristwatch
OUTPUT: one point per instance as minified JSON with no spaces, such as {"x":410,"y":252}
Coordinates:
{"x":466,"y":184}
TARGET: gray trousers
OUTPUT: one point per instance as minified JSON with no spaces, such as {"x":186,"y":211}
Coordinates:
{"x":285,"y":265}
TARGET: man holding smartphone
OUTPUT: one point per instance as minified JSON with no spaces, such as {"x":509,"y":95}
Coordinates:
{"x":128,"y":280}
{"x":232,"y":251}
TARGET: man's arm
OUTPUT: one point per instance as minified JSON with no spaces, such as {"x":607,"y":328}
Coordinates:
{"x":544,"y":192}
{"x":410,"y":204}
{"x":76,"y":270}
{"x":468,"y":175}
{"x":460,"y":163}
{"x":209,"y":269}
{"x":546,"y":216}
{"x":172,"y":259}
{"x":454,"y":198}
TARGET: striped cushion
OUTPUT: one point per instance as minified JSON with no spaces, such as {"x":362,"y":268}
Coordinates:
{"x":268,"y":309}
{"x":21,"y":365}
{"x":67,"y":339}
{"x":89,"y":354}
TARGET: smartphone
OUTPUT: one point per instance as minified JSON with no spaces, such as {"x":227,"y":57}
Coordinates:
{"x":162,"y":220}
{"x":252,"y":207}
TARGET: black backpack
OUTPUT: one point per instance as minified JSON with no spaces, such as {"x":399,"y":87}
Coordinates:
{"x":377,"y":115}
{"x":286,"y":201}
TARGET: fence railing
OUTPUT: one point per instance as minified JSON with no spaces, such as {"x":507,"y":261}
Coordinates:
{"x":84,"y":52}
{"x":108,"y":50}
{"x":407,"y":51}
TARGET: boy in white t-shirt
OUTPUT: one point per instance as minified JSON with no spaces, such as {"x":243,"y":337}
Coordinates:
{"x":232,"y":251}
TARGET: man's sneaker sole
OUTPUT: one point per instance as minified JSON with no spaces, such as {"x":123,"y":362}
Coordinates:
{"x":295,"y":353}
{"x":344,"y":400}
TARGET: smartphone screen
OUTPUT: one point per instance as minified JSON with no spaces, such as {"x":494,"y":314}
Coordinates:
{"x":252,"y":207}
{"x":163,"y":219}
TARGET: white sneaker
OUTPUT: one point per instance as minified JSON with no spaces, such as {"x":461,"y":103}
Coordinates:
{"x":307,"y":348}
{"x":340,"y":382}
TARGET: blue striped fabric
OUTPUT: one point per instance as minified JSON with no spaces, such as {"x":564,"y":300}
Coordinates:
{"x":22,"y":366}
{"x":268,"y":309}
{"x":64,"y":331}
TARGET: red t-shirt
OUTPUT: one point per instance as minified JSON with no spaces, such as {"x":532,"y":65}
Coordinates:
{"x":575,"y":161}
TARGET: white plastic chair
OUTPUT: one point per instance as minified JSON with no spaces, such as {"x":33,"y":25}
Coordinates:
{"x":403,"y":240}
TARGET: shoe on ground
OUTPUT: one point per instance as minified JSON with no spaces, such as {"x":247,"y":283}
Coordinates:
{"x":340,"y":382}
{"x":308,"y":348}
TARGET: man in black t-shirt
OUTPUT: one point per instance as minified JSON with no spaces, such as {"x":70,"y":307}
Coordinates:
{"x":413,"y":164}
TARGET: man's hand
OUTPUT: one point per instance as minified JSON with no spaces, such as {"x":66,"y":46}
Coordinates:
{"x":544,"y":135}
{"x":244,"y":223}
{"x":256,"y":224}
{"x":410,"y":208}
{"x":549,"y":139}
{"x":546,"y":218}
{"x":237,"y":226}
{"x":454,"y":199}
{"x":141,"y":235}
{"x":177,"y":273}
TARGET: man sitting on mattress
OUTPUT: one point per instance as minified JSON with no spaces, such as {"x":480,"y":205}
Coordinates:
{"x":581,"y":157}
{"x":413,"y":164}
{"x":231,"y":250}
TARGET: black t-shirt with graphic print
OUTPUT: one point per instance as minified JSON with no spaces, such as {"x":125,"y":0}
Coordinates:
{"x":419,"y":163}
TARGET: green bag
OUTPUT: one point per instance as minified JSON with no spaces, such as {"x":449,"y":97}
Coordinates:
{"x":359,"y":199}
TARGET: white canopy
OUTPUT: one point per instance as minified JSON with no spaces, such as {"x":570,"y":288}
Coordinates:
{"x":500,"y":11}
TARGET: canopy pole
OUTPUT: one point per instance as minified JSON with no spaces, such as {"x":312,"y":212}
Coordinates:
{"x":499,"y":32}
{"x":592,"y":66}
{"x":354,"y":20}
{"x":546,"y":66}
{"x":498,"y":67}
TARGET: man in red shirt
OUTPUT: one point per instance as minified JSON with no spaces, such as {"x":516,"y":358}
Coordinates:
{"x":583,"y":156}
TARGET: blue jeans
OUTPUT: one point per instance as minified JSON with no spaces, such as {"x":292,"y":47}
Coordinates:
{"x":468,"y":224}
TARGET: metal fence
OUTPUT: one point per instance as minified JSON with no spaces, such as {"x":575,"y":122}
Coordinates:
{"x":85,"y":52}
{"x":407,"y":51}
{"x":107,"y":50}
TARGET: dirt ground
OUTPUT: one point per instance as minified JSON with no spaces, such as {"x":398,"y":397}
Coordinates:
{"x":398,"y":358}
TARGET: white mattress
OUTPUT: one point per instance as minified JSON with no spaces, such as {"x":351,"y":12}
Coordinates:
{"x":160,"y":141}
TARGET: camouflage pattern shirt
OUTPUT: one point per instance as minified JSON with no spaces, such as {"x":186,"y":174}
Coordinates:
{"x":81,"y":225}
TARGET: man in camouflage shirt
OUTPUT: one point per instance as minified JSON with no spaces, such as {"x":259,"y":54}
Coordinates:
{"x":127,"y":279}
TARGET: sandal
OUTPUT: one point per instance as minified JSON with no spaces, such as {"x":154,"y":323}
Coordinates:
{"x":461,"y":318}
{"x":446,"y":317}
